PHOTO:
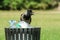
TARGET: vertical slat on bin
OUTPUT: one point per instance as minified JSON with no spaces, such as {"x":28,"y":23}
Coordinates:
{"x":16,"y":34}
{"x":29,"y":33}
{"x":25,"y":34}
{"x":21,"y":34}
{"x":38,"y":34}
{"x":33,"y":34}
{"x":13,"y":34}
{"x":9,"y":34}
{"x":6,"y":33}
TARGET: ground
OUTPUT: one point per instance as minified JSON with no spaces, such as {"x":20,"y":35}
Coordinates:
{"x":49,"y":21}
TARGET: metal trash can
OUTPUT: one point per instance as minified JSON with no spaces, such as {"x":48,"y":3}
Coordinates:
{"x":22,"y":33}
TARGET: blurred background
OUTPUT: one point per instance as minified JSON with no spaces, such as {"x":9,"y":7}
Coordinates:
{"x":25,"y":4}
{"x":46,"y":15}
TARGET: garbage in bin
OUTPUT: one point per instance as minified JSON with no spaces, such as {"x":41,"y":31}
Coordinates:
{"x":12,"y":23}
{"x":20,"y":24}
{"x":23,"y":24}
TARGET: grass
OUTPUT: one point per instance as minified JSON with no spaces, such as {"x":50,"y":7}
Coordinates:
{"x":49,"y":22}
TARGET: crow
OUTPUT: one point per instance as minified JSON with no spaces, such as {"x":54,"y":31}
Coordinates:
{"x":27,"y":16}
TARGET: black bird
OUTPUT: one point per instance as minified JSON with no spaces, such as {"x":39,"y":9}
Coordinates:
{"x":27,"y":16}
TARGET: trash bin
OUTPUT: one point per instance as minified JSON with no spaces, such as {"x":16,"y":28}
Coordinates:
{"x":22,"y":33}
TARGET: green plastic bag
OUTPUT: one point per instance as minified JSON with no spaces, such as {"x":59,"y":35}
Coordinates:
{"x":18,"y":25}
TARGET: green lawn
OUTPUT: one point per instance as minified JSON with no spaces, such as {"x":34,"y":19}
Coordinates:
{"x":49,"y":22}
